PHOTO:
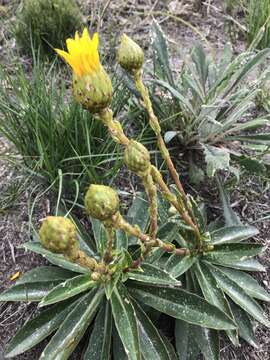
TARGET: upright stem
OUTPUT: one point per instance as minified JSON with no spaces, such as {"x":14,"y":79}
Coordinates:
{"x":151,"y":191}
{"x":118,"y":135}
{"x":107,"y":257}
{"x":169,"y":196}
{"x":114,"y":127}
{"x":154,"y":123}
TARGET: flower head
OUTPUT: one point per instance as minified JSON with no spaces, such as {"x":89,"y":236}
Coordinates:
{"x":130,"y":55}
{"x":92,"y":86}
{"x":82,"y":54}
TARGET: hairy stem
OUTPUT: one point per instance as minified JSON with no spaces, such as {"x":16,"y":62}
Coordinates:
{"x":154,"y":123}
{"x":114,"y":127}
{"x":151,"y":191}
{"x":120,"y":223}
{"x":107,"y":257}
{"x":169,"y":196}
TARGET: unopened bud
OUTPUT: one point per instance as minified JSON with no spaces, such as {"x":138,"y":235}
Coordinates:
{"x":101,"y":202}
{"x":59,"y":235}
{"x":137,"y":157}
{"x":130,"y":54}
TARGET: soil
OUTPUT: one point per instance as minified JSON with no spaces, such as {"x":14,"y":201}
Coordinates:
{"x":251,"y":200}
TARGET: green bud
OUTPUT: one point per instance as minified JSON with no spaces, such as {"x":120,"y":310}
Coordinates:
{"x":59,"y":235}
{"x":130,"y":54}
{"x":93,"y":91}
{"x":137,"y":157}
{"x":101,"y":202}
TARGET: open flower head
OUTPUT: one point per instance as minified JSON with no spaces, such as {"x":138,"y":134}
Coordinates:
{"x":91,"y":84}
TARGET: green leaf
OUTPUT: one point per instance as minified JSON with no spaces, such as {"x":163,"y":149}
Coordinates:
{"x":86,"y":240}
{"x":168,"y":231}
{"x":195,"y":173}
{"x":121,"y":241}
{"x":56,"y":259}
{"x":68,"y":289}
{"x":236,"y":293}
{"x":249,"y":66}
{"x":37,"y":329}
{"x":177,"y":266}
{"x":208,"y":341}
{"x":251,"y":124}
{"x":263,"y":139}
{"x":152,"y":344}
{"x":248,"y":284}
{"x":118,"y":348}
{"x":153,"y":275}
{"x":187,"y":348}
{"x":250,"y":164}
{"x":248,"y":265}
{"x":161,"y":58}
{"x":125,"y":321}
{"x":230,"y":216}
{"x":73,"y":328}
{"x":201,"y":62}
{"x":138,"y":215}
{"x":99,"y":234}
{"x":110,"y":285}
{"x":45,"y":274}
{"x":233,"y":234}
{"x":182,"y":305}
{"x":169,"y":347}
{"x":176,"y":94}
{"x":27,"y":292}
{"x":216,"y":159}
{"x":213,"y":294}
{"x":233,"y":252}
{"x":244,"y":325}
{"x":99,"y":347}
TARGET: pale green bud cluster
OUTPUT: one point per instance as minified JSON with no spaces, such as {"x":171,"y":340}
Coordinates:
{"x":101,"y":202}
{"x":59,"y":235}
{"x":130,"y":55}
{"x":93,"y":91}
{"x":137,"y":158}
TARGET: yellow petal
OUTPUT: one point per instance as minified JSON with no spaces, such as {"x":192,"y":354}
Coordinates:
{"x":15,"y":276}
{"x":95,"y":41}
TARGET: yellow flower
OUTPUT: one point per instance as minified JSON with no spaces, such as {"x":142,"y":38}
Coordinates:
{"x":82,"y":53}
{"x":92,"y":86}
